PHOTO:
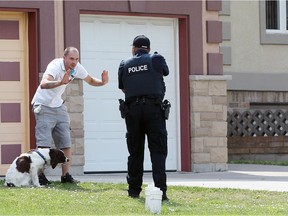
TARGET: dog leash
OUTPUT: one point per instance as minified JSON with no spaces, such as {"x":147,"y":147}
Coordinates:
{"x":41,"y":155}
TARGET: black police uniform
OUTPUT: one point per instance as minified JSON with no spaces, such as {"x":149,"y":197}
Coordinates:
{"x":141,"y":78}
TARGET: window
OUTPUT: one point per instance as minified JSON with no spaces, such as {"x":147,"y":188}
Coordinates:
{"x":276,"y":16}
{"x":273,"y":21}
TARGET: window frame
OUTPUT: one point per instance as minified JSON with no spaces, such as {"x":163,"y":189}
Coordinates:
{"x":282,"y":19}
{"x":273,"y":36}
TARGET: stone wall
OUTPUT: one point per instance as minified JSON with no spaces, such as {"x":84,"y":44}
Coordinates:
{"x":75,"y":104}
{"x":208,"y":105}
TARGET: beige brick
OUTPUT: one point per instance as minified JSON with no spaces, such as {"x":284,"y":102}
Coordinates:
{"x":222,"y":115}
{"x":77,"y":132}
{"x":77,"y":160}
{"x":201,"y":132}
{"x":201,"y":85}
{"x":217,"y":108}
{"x":222,"y":142}
{"x":76,"y":120}
{"x":199,"y":88}
{"x":195,"y":120}
{"x":75,"y":104}
{"x":201,"y":104}
{"x":74,"y":89}
{"x":79,"y":147}
{"x":206,"y":124}
{"x":197,"y":145}
{"x":201,"y":158}
{"x":208,"y":116}
{"x":217,"y":88}
{"x":219,"y":129}
{"x":215,"y":142}
{"x":219,"y":155}
{"x":209,"y":167}
{"x":220,"y":100}
{"x":210,"y":142}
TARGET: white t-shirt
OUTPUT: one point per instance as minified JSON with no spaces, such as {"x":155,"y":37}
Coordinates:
{"x":52,"y":97}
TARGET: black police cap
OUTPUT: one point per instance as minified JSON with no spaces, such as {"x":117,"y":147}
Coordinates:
{"x":141,"y":41}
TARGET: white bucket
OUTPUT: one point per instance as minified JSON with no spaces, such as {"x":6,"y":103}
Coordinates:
{"x":153,"y":201}
{"x":147,"y":196}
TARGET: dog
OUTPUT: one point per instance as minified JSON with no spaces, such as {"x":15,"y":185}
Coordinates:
{"x":25,"y":168}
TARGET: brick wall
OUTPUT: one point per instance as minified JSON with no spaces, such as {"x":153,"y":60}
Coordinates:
{"x":270,"y":148}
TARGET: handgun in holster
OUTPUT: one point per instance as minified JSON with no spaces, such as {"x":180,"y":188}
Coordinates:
{"x":123,"y":108}
{"x":166,"y":108}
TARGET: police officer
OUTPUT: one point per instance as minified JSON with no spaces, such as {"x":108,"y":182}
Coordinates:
{"x":141,"y":79}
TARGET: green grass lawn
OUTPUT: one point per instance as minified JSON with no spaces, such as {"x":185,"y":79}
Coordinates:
{"x":112,"y":199}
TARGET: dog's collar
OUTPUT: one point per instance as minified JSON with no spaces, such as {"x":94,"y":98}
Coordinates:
{"x":41,"y":155}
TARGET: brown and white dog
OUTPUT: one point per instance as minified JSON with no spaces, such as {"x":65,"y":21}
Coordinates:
{"x":25,"y":168}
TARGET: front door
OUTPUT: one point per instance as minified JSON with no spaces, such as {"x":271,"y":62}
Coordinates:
{"x":14,"y":97}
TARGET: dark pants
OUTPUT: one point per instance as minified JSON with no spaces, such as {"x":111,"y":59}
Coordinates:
{"x":146,"y":119}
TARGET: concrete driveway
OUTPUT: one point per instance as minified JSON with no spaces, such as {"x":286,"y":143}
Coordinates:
{"x":241,"y":176}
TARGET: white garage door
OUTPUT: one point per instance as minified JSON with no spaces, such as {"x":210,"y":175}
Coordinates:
{"x":105,"y":41}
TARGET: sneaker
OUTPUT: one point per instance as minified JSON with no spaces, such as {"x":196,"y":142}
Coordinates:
{"x":164,"y":197}
{"x":68,"y":179}
{"x":43,"y":180}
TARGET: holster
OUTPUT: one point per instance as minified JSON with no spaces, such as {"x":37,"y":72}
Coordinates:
{"x":166,"y":105}
{"x":123,"y":108}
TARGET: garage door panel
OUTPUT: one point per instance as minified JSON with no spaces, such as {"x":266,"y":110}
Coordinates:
{"x":89,"y":41}
{"x":111,"y":126}
{"x":99,"y":64}
{"x":91,"y":95}
{"x":101,"y":137}
{"x":96,"y":108}
{"x":116,"y":134}
{"x":103,"y":125}
{"x":107,"y":34}
{"x":97,"y":161}
{"x":163,"y":45}
{"x":113,"y":115}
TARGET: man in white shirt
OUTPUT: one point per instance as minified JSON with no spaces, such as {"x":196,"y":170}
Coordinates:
{"x":52,"y":119}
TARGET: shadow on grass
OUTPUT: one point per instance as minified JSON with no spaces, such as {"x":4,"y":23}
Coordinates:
{"x":90,"y":187}
{"x":81,"y":187}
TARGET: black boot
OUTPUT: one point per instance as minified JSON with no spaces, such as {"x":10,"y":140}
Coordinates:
{"x":164,"y":197}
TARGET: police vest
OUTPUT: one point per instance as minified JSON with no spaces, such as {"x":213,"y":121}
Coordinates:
{"x":141,"y":79}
